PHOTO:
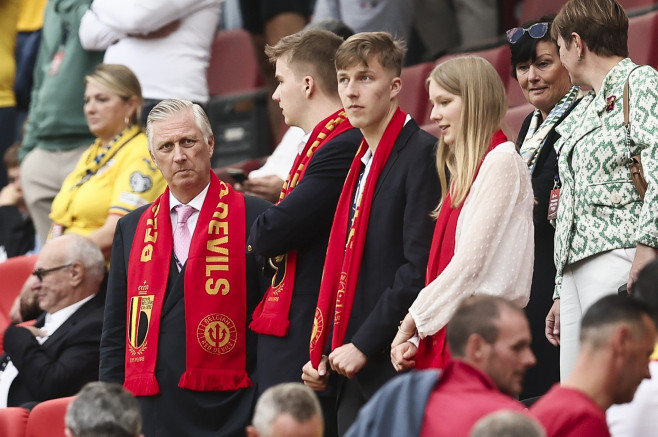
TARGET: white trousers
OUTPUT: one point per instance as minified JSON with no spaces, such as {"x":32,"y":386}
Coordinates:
{"x":637,"y":418}
{"x":583,"y":283}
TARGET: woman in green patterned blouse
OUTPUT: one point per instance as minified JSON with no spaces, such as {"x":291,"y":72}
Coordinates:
{"x":605,"y":233}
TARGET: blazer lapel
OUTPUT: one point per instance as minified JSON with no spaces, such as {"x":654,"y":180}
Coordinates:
{"x":407,"y":130}
{"x":69,"y":323}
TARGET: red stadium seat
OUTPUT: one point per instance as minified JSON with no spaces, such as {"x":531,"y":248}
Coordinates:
{"x":233,"y":65}
{"x":633,"y":5}
{"x":14,"y":272}
{"x":515,"y":95}
{"x":514,"y":119}
{"x":413,"y":98}
{"x":499,"y":57}
{"x":13,"y":421}
{"x":532,"y":9}
{"x":643,"y":39}
{"x":47,"y":418}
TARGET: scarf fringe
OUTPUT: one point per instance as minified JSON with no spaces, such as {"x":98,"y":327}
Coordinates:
{"x":214,"y":380}
{"x":270,"y":324}
{"x":142,"y":385}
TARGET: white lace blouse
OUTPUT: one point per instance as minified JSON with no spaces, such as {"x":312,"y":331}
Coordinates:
{"x":494,"y":243}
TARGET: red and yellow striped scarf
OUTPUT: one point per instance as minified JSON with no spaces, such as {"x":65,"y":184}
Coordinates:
{"x":271,"y":315}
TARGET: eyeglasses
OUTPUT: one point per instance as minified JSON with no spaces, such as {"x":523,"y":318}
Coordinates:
{"x":42,"y":273}
{"x":537,"y":30}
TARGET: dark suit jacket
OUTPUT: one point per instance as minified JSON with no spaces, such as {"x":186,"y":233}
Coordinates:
{"x":65,"y":362}
{"x":396,"y":251}
{"x":175,"y":411}
{"x":541,"y":377}
{"x":302,"y":221}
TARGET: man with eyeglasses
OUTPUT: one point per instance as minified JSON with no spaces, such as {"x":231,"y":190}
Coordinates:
{"x":59,"y":354}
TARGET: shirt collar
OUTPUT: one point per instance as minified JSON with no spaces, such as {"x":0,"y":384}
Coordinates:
{"x":56,"y":319}
{"x":613,"y":84}
{"x":196,"y":203}
{"x":302,"y":143}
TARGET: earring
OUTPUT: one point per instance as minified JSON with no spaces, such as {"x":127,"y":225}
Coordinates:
{"x":127,"y":121}
{"x":580,"y":57}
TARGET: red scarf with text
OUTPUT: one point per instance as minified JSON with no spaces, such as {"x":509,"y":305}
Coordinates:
{"x":215,"y":295}
{"x":432,"y":350}
{"x":271,"y":315}
{"x":347,"y":243}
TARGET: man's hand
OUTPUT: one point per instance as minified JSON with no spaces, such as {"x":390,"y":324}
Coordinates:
{"x":316,"y":379}
{"x":402,"y":356}
{"x":643,"y":256}
{"x":552,"y":330}
{"x":347,"y":360}
{"x":266,"y":187}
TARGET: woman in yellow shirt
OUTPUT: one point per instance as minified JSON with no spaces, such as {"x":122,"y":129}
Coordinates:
{"x":116,"y":174}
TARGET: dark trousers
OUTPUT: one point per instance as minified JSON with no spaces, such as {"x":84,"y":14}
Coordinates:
{"x":350,"y":400}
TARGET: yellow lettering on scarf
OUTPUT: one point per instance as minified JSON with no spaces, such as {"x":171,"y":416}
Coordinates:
{"x":213,"y":288}
{"x":150,"y":236}
{"x":218,"y":226}
{"x":222,"y":211}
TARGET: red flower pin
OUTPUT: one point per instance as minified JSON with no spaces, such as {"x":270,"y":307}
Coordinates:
{"x":611,"y":103}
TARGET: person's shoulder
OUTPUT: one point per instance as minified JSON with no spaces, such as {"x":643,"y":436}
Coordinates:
{"x":413,"y":381}
{"x":504,"y":155}
{"x":419,"y":135}
{"x":346,"y":142}
{"x":255,"y":204}
{"x":130,"y":220}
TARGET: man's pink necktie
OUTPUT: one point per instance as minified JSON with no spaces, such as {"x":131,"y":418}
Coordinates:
{"x":182,"y":237}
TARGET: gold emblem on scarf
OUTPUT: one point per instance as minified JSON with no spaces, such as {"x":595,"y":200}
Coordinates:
{"x":217,"y":334}
{"x":318,"y":327}
{"x":139,"y":320}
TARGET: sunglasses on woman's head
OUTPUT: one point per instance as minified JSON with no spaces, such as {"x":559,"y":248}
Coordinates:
{"x":537,"y":30}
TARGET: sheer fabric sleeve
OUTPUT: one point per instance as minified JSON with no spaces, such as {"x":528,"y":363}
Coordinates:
{"x":494,"y":243}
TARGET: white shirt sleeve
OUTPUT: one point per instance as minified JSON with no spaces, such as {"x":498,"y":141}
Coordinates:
{"x":145,"y":16}
{"x":281,"y":160}
{"x":494,"y":243}
{"x":96,"y":35}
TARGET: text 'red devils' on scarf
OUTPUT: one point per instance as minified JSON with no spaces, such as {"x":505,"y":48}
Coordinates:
{"x":215,"y":295}
{"x":346,"y":245}
{"x":432,"y":350}
{"x":271,"y":315}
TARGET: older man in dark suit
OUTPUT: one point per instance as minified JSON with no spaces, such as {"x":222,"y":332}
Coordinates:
{"x":380,"y":238}
{"x":181,"y":289}
{"x":59,"y":354}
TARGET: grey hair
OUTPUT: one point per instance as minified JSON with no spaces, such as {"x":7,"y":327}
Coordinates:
{"x":168,"y":108}
{"x":83,"y":250}
{"x":507,"y":424}
{"x":291,"y":398}
{"x":104,"y":409}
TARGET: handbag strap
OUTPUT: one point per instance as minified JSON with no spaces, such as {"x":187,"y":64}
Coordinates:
{"x":625,"y":104}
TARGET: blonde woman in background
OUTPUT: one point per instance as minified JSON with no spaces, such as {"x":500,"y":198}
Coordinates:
{"x":116,"y":174}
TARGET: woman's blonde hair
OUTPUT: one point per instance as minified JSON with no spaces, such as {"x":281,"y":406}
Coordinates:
{"x":121,"y":81}
{"x":484,"y":104}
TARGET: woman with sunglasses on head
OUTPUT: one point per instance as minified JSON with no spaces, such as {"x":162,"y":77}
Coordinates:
{"x":546,"y":85}
{"x":116,"y":174}
{"x":605,"y":233}
{"x":483,"y":237}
